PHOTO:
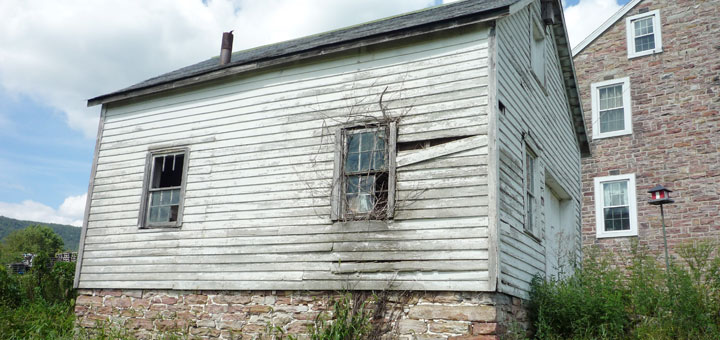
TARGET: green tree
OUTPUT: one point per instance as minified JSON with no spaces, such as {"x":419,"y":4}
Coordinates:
{"x":36,"y":239}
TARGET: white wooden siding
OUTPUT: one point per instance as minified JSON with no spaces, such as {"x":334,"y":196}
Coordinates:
{"x":257,"y":205}
{"x":546,"y":117}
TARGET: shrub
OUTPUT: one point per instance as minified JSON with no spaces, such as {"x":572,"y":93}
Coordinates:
{"x":641,"y":302}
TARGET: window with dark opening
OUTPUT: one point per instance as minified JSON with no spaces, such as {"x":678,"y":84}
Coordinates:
{"x":164,"y":197}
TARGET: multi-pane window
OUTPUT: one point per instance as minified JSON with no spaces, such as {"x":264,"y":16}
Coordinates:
{"x":615,"y":206}
{"x":530,"y":160}
{"x":611,"y":108}
{"x":364,"y":177}
{"x":611,"y":111}
{"x":164,"y":189}
{"x":366,"y":172}
{"x":643,"y":34}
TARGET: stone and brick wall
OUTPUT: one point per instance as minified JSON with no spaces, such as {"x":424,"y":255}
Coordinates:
{"x":675,"y":99}
{"x":247,"y":314}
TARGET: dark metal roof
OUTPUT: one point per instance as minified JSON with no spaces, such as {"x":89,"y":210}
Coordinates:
{"x":383,"y":26}
{"x":439,"y":17}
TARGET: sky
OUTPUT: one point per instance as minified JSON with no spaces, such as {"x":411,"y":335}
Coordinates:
{"x":54,"y":55}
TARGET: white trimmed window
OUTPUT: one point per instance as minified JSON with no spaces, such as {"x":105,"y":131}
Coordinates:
{"x":164,"y":188}
{"x":611,"y":113}
{"x":537,"y":48}
{"x":643,"y":34}
{"x":615,"y":206}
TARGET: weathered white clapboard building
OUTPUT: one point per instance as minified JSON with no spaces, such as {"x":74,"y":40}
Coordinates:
{"x":436,"y":152}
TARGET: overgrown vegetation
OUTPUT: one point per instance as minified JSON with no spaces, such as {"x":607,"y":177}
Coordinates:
{"x":358,"y":316}
{"x":643,"y":301}
{"x":37,"y":305}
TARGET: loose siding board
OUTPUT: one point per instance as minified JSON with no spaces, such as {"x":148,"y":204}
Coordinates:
{"x":257,"y":204}
{"x":546,"y":117}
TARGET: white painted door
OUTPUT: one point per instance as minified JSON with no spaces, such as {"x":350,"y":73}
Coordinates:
{"x":553,"y":233}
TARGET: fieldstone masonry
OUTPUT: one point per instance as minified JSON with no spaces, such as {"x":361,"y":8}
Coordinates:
{"x":149,"y":314}
{"x":675,"y":99}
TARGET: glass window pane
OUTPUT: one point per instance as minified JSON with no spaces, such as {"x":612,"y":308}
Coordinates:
{"x":368,"y":141}
{"x":352,"y":184}
{"x":615,"y":193}
{"x":644,"y":26}
{"x":367,"y":183}
{"x":617,"y":219}
{"x":378,"y":160}
{"x":612,"y":120}
{"x":163,"y":214}
{"x":645,"y":43}
{"x":365,"y":158}
{"x":175,"y":197}
{"x":354,"y":143}
{"x":165,"y":197}
{"x":380,"y":141}
{"x":155,"y":198}
{"x":351,"y":162}
{"x":360,"y":204}
{"x":154,"y":214}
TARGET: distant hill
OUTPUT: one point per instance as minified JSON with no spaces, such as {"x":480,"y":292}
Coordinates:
{"x":69,"y":234}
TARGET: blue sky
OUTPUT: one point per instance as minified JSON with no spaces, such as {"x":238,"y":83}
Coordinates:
{"x":55,"y":56}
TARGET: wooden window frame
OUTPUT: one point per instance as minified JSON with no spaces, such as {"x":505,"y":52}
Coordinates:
{"x":530,"y":190}
{"x":600,"y":205}
{"x":657,"y":34}
{"x":538,"y":39}
{"x":339,"y":211}
{"x":143,"y":222}
{"x":627,"y":108}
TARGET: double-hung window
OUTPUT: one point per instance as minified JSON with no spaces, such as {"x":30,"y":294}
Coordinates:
{"x":164,"y":189}
{"x":530,"y":175}
{"x":643,"y":34}
{"x":611,"y":112}
{"x":364,"y":183}
{"x":615,"y":206}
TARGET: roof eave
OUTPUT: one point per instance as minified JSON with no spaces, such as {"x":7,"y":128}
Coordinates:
{"x":571,"y":85}
{"x":239,"y":68}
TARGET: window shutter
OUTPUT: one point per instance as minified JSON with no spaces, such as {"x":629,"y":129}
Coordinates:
{"x":335,"y":205}
{"x":392,"y":153}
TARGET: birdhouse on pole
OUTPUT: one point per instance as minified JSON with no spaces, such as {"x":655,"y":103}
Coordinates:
{"x":660,"y":195}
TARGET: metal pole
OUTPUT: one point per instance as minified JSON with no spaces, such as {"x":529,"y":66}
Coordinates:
{"x":667,"y":258}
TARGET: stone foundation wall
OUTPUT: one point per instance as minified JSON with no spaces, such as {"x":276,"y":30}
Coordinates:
{"x":148,"y":314}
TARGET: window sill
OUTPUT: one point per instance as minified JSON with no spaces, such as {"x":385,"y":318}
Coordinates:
{"x":644,"y":53}
{"x":162,"y":226}
{"x":615,"y":234}
{"x":613,"y":134}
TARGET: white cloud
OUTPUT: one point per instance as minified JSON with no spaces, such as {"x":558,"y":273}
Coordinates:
{"x":586,"y":16}
{"x":70,"y":212}
{"x":61,"y":53}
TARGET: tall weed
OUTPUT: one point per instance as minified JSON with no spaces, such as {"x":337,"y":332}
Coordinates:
{"x":644,"y":301}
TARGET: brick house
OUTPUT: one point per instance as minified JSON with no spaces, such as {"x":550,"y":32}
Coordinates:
{"x":649,"y":80}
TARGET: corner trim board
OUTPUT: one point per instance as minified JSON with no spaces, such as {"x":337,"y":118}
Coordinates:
{"x":91,"y":186}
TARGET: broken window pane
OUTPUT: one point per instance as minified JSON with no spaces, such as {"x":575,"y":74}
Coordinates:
{"x":366,"y":173}
{"x":167,"y":171}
